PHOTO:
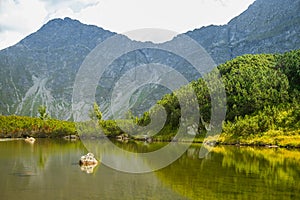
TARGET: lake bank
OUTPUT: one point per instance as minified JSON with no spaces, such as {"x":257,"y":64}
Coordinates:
{"x":284,"y":141}
{"x":275,"y":142}
{"x":19,"y":127}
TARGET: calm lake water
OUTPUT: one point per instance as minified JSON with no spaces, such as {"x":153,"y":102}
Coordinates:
{"x":49,"y":170}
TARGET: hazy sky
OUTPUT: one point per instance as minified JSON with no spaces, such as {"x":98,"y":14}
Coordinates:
{"x":19,"y":18}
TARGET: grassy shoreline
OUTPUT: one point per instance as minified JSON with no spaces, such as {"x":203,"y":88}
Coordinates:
{"x":283,"y":141}
{"x":16,"y":127}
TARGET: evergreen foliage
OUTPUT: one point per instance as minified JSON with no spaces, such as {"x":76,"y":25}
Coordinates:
{"x":22,"y":126}
{"x":262,"y":97}
{"x":43,"y":115}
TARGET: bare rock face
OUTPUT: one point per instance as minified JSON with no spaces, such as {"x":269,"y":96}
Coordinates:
{"x":267,"y":26}
{"x":41,"y":69}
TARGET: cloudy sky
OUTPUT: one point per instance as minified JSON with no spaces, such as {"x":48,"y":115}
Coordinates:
{"x":19,"y":18}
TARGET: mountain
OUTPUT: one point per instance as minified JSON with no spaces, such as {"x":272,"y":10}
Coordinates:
{"x":267,"y":26}
{"x":41,"y":69}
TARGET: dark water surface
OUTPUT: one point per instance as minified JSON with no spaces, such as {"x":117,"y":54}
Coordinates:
{"x":49,"y":169}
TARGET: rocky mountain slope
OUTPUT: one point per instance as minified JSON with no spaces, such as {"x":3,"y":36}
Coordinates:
{"x":41,"y":68}
{"x":267,"y":26}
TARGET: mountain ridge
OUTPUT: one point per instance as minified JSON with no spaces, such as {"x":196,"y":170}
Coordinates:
{"x":260,"y":23}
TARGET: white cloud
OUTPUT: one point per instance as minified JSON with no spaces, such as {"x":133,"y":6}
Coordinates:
{"x":22,"y":17}
{"x":58,"y":8}
{"x":75,"y":5}
{"x":18,"y":18}
{"x":176,"y":15}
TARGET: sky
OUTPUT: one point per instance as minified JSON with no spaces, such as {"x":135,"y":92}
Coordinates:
{"x":19,"y":18}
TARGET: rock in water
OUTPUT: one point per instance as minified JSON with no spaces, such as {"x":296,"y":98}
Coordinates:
{"x":30,"y":140}
{"x":88,"y":159}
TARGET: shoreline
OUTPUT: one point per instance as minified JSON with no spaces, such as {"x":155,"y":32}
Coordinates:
{"x":209,"y":143}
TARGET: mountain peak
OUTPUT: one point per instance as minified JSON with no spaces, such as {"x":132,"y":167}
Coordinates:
{"x":57,"y":23}
{"x":64,"y":21}
{"x":65,"y":32}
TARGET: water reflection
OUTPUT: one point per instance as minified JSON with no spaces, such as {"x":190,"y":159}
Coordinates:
{"x":135,"y":157}
{"x":60,"y":176}
{"x":236,"y":173}
{"x":89,"y":169}
{"x":50,"y":170}
{"x":278,"y":164}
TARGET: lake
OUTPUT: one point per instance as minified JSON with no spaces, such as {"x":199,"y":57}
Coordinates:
{"x":49,"y":169}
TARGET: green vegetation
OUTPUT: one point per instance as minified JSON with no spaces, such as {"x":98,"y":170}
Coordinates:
{"x":274,"y":125}
{"x":43,"y":112}
{"x":95,"y":114}
{"x":262,"y":101}
{"x":274,"y":114}
{"x":289,"y":64}
{"x":262,"y":93}
{"x":22,"y":126}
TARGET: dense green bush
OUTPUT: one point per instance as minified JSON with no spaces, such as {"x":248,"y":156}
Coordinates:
{"x":252,"y":83}
{"x":289,"y":64}
{"x":255,"y":87}
{"x":22,"y":126}
{"x":279,"y":118}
